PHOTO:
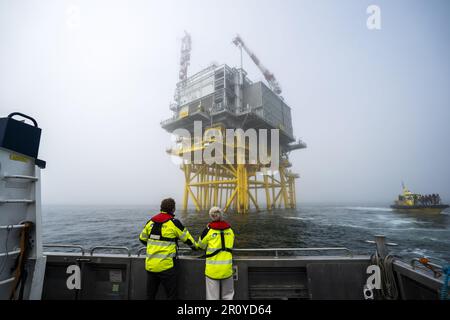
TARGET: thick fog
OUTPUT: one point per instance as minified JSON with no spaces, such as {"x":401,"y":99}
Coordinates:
{"x":98,"y":76}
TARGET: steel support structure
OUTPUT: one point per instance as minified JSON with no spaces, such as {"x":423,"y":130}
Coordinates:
{"x":237,"y":187}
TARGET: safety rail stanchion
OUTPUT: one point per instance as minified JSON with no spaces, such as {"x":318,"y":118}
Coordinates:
{"x":110,"y":248}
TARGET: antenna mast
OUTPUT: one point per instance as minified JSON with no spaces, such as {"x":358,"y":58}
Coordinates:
{"x":185,"y":59}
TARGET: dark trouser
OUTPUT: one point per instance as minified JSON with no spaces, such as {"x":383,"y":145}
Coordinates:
{"x":167,"y":278}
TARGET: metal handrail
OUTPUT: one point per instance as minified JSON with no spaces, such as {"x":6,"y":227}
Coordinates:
{"x":163,"y":122}
{"x":17,"y":176}
{"x":9,"y":253}
{"x":295,"y":249}
{"x":12,"y":226}
{"x":7,"y":281}
{"x":273,"y":249}
{"x":431,"y":267}
{"x":73,"y":246}
{"x":429,"y":263}
{"x":186,"y":249}
{"x":16,"y":201}
{"x":110,"y":247}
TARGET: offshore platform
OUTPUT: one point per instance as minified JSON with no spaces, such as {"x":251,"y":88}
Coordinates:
{"x":221,"y":97}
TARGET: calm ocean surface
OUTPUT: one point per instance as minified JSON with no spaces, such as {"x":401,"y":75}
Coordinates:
{"x":417,"y":235}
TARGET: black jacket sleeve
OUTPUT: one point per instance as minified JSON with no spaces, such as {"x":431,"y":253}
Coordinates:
{"x":204,"y":233}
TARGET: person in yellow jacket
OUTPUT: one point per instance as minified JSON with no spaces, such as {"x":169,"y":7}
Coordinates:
{"x":218,"y":241}
{"x":161,"y":234}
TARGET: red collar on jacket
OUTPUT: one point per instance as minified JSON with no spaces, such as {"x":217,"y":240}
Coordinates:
{"x":162,"y":217}
{"x":219,"y":225}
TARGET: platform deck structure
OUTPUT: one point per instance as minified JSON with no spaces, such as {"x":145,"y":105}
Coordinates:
{"x":221,"y":98}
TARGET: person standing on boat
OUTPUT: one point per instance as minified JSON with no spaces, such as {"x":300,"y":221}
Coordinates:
{"x":218,"y":241}
{"x":160,"y":235}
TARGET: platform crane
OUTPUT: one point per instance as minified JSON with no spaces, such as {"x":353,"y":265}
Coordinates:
{"x":273,"y":83}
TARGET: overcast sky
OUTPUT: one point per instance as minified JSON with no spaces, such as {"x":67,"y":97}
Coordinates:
{"x":372,"y":105}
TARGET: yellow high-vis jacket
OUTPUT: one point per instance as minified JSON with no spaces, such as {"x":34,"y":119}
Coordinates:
{"x":218,"y":241}
{"x":161,"y":235}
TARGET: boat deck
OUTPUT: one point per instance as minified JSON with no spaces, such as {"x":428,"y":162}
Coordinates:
{"x":122,"y":277}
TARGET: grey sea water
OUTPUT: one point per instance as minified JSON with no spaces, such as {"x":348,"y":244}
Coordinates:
{"x":417,"y":235}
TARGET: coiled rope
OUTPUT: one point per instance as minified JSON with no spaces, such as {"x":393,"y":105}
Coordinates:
{"x":389,"y":289}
